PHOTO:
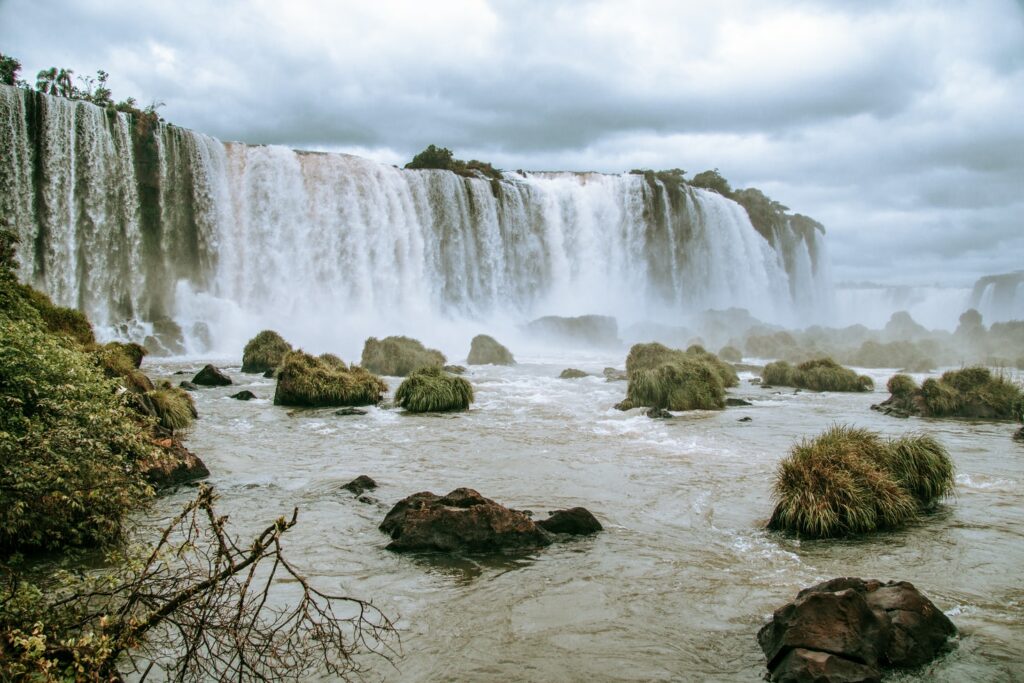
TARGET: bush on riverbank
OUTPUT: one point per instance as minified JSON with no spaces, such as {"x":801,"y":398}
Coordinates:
{"x":309,"y":381}
{"x":173,"y":407}
{"x":431,"y":390}
{"x":264,"y":352}
{"x":660,"y":377}
{"x":821,"y":374}
{"x":398,"y":356}
{"x":849,"y":480}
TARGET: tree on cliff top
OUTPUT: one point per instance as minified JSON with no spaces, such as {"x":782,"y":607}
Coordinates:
{"x":712,"y":180}
{"x":433,"y":157}
{"x":9,"y":68}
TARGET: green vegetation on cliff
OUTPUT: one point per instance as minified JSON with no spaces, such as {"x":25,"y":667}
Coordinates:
{"x":849,"y":481}
{"x":442,"y":158}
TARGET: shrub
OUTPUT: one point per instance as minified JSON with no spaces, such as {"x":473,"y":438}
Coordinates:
{"x":849,"y":480}
{"x":173,"y":406}
{"x":430,"y":390}
{"x":687,"y":383}
{"x":731,"y":354}
{"x":822,"y":374}
{"x":940,"y":399}
{"x":484,"y":350}
{"x":57,"y":319}
{"x":264,"y":352}
{"x":398,"y":356}
{"x":305,"y":380}
{"x":118,"y":362}
{"x":901,"y":385}
{"x":726,"y":372}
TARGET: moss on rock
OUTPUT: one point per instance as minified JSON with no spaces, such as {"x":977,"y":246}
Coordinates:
{"x":325,"y":381}
{"x":485,"y":350}
{"x":398,"y":356}
{"x":848,"y":481}
{"x":430,"y":390}
{"x":264,"y":352}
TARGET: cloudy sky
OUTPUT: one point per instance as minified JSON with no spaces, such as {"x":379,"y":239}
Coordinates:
{"x":899,"y":125}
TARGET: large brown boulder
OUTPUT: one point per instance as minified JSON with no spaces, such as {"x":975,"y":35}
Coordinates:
{"x":463,"y":520}
{"x":847,"y":629}
{"x":172,"y":465}
{"x":210,"y":376}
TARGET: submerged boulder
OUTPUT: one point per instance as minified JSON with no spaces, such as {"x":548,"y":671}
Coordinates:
{"x":431,"y":390}
{"x":325,"y":381}
{"x":210,"y":376}
{"x":244,"y":395}
{"x":484,"y":350}
{"x":463,"y":520}
{"x":264,"y":352}
{"x":360,"y":485}
{"x":848,"y":629}
{"x":398,"y":356}
{"x":577,"y":521}
{"x":572,"y":373}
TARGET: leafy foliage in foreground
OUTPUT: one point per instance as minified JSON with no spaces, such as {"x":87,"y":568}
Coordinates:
{"x":849,"y":481}
{"x":822,"y":374}
{"x":398,"y":356}
{"x":195,"y":605}
{"x":431,"y":390}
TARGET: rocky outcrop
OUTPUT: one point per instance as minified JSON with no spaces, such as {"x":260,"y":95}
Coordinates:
{"x":172,"y":465}
{"x":360,"y":485}
{"x":849,"y":629}
{"x":577,"y":521}
{"x":462,"y":520}
{"x":572,"y":373}
{"x":210,"y":376}
{"x":485,"y":350}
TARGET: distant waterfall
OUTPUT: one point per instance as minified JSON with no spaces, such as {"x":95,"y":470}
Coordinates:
{"x":142,"y":228}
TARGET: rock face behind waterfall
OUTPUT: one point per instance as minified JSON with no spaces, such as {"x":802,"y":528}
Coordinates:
{"x":264,"y":228}
{"x":848,"y":629}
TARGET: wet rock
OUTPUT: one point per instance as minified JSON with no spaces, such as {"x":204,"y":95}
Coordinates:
{"x":454,"y":369}
{"x":244,"y":395}
{"x":210,"y":376}
{"x":1019,"y":436}
{"x":737,"y":402}
{"x":891,"y":410}
{"x":745,"y":419}
{"x":613,"y":375}
{"x":576,"y":521}
{"x":754,"y":380}
{"x":463,"y":520}
{"x":572,"y":373}
{"x":349,"y":410}
{"x":172,"y":464}
{"x":188,"y":386}
{"x":624,"y":405}
{"x":485,"y":350}
{"x":270,"y":374}
{"x":658,"y":414}
{"x":360,"y":485}
{"x":847,"y":629}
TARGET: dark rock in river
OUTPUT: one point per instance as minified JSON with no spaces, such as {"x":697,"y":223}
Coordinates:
{"x":188,"y":386}
{"x":576,"y":521}
{"x":572,"y":373}
{"x":244,"y":395}
{"x":463,"y":520}
{"x":360,"y":485}
{"x":737,"y":402}
{"x":745,"y":419}
{"x":350,"y":411}
{"x":658,"y":414}
{"x":172,"y":465}
{"x":454,"y":369}
{"x":847,"y":629}
{"x":624,"y":405}
{"x":270,"y":374}
{"x":210,"y":376}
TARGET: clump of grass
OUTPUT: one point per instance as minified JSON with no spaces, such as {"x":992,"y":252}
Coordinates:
{"x":431,"y":390}
{"x":67,"y":322}
{"x":305,"y":380}
{"x":484,"y":350}
{"x":820,"y":374}
{"x":264,"y":352}
{"x":398,"y":356}
{"x":173,"y":407}
{"x":901,"y":385}
{"x":849,"y":480}
{"x":940,"y":399}
{"x":688,"y":384}
{"x":730,"y":354}
{"x":121,"y":362}
{"x":971,"y":392}
{"x":726,"y":372}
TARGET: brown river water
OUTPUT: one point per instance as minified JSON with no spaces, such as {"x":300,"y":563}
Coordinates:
{"x":684,"y":574}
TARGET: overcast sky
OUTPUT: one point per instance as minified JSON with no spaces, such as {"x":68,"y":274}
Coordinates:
{"x":899,"y":125}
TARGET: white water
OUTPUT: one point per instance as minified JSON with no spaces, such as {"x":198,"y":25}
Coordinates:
{"x":329,"y":246}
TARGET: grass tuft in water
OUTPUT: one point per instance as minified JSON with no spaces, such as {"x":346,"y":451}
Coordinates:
{"x":305,"y":380}
{"x":431,"y":390}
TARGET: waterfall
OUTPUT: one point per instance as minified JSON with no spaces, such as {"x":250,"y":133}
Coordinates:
{"x":151,"y":230}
